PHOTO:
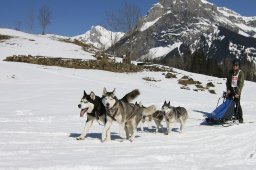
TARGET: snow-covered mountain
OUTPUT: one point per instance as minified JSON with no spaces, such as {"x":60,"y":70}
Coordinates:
{"x":14,"y":42}
{"x":99,"y":37}
{"x":175,"y":26}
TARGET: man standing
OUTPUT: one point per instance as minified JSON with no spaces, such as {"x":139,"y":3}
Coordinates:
{"x":234,"y":84}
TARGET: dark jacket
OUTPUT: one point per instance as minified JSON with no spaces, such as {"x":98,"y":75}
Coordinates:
{"x":240,"y":82}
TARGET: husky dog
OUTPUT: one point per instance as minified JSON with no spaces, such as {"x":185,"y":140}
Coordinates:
{"x":126,"y":114}
{"x":147,"y":114}
{"x":158,"y":117}
{"x":144,"y":119}
{"x":174,"y":114}
{"x":94,"y":108}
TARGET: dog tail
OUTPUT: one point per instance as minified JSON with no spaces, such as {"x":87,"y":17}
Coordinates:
{"x":131,"y":96}
{"x":148,"y":111}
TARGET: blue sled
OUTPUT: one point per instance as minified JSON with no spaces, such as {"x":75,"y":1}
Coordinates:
{"x":225,"y":111}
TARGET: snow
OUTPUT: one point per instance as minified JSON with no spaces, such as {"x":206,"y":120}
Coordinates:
{"x":100,"y":37}
{"x":206,"y":2}
{"x":246,"y":28}
{"x":243,"y":33}
{"x":160,"y":51}
{"x":248,"y":19}
{"x":158,"y":5}
{"x":39,"y":118}
{"x":227,"y":12}
{"x":148,"y":24}
{"x":39,"y":45}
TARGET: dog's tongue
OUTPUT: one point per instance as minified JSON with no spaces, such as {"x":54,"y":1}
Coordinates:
{"x":82,"y":113}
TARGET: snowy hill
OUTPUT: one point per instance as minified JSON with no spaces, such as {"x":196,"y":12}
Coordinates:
{"x":39,"y":121}
{"x":20,"y":43}
{"x":100,"y":37}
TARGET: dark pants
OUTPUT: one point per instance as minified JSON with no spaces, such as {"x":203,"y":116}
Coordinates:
{"x":238,"y":110}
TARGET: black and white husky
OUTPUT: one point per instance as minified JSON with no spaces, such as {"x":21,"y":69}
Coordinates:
{"x":92,"y":106}
{"x":174,"y":114}
{"x":128,"y":115}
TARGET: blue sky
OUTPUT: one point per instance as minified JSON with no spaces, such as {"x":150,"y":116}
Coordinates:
{"x":74,"y":17}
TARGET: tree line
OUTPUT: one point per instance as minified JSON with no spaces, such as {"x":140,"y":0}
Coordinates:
{"x":199,"y":62}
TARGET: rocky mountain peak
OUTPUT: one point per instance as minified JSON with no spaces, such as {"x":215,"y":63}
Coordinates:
{"x":173,"y":27}
{"x":99,"y":37}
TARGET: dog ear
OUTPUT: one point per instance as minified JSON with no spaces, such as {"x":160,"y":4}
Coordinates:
{"x":169,"y":103}
{"x":92,"y":96}
{"x":165,"y":102}
{"x":84,"y":93}
{"x":114,"y":92}
{"x":104,"y":91}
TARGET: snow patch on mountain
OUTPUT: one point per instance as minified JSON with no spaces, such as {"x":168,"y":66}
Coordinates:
{"x":243,"y":33}
{"x":227,"y":12}
{"x":206,"y":2}
{"x":160,"y":51}
{"x":148,"y":24}
{"x":100,"y":37}
{"x":246,"y":28}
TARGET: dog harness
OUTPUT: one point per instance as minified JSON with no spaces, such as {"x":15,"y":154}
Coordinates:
{"x":114,"y":111}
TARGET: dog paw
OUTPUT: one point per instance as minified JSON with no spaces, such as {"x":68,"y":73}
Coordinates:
{"x":131,"y":140}
{"x":122,"y":136}
{"x":122,"y":140}
{"x":103,"y":140}
{"x":168,"y":133}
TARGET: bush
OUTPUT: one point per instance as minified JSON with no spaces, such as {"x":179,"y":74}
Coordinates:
{"x":150,"y":79}
{"x":157,"y":68}
{"x":76,"y":63}
{"x":210,"y":84}
{"x":185,"y":77}
{"x":212,"y":91}
{"x":170,"y":75}
{"x":185,"y":87}
{"x":4,"y":37}
{"x":199,"y":86}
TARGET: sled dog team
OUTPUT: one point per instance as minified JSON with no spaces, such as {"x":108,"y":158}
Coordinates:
{"x":109,"y":108}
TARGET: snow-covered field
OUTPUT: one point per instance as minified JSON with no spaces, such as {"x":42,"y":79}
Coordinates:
{"x":39,"y":121}
{"x":39,"y":117}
